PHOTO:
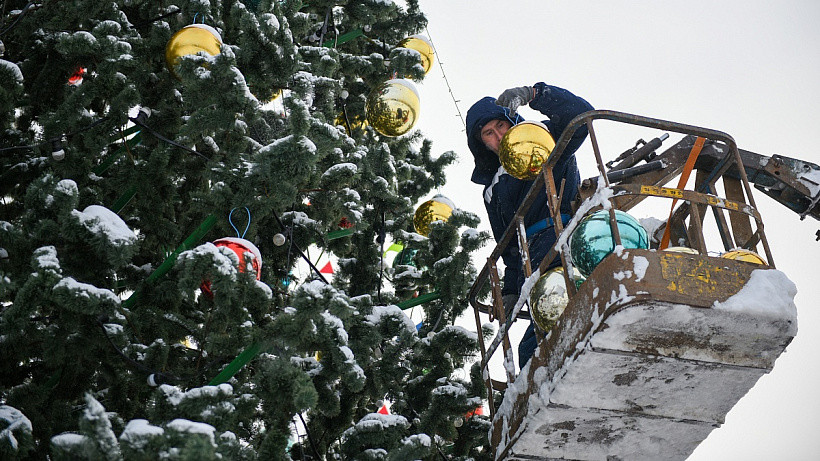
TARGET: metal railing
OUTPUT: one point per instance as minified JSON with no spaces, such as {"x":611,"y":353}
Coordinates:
{"x":630,"y":193}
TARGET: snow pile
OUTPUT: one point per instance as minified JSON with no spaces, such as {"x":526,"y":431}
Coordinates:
{"x":459,"y":331}
{"x":265,"y":288}
{"x":96,"y":415}
{"x":67,"y":440}
{"x":86,"y":290}
{"x":102,"y":221}
{"x":175,"y":396}
{"x":640,"y":264}
{"x":192,"y":427}
{"x":138,"y":432}
{"x":450,"y":390}
{"x":337,"y":324}
{"x":67,"y":187}
{"x":811,"y":179}
{"x":46,"y":258}
{"x":651,"y":225}
{"x":15,"y":422}
{"x":12,"y":69}
{"x":767,"y":293}
{"x":341,"y":169}
{"x":423,"y":440}
{"x":392,"y":311}
{"x":224,"y":262}
{"x":377,"y":422}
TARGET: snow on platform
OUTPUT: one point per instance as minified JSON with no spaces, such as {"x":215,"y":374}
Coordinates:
{"x":645,"y":365}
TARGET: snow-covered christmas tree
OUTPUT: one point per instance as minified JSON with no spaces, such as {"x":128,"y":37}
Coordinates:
{"x":164,"y":166}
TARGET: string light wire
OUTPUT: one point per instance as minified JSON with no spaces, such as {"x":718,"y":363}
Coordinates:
{"x":446,"y":81}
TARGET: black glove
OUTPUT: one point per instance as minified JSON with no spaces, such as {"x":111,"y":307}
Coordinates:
{"x":515,"y":97}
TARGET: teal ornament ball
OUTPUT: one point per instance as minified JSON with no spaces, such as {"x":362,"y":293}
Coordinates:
{"x":406,"y":257}
{"x":592,"y":240}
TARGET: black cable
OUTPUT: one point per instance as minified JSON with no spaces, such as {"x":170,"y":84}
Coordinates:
{"x":58,"y":138}
{"x":440,"y":316}
{"x":299,"y":250}
{"x":301,"y":450}
{"x":310,"y":438}
{"x":145,"y":23}
{"x":92,"y":125}
{"x":165,"y":377}
{"x":139,"y":122}
{"x":22,"y":13}
{"x":382,"y":237}
{"x":324,"y":26}
{"x":4,"y":149}
{"x":156,"y":377}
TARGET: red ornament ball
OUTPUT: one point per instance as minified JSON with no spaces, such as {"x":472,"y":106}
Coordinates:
{"x":241,"y":247}
{"x":77,"y":77}
{"x":344,"y":223}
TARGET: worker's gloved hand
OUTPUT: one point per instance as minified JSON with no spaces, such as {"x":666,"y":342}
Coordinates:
{"x":515,"y":98}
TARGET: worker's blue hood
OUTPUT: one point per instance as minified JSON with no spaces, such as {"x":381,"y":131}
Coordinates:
{"x":486,"y":161}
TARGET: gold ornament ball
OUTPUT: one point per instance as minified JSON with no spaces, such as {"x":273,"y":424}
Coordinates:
{"x":272,"y":96}
{"x":549,"y":297}
{"x":679,"y":249}
{"x":524,"y":148}
{"x":393,"y":107}
{"x":357,"y":122}
{"x":192,"y":39}
{"x":438,"y":208}
{"x":744,"y":255}
{"x":423,"y":46}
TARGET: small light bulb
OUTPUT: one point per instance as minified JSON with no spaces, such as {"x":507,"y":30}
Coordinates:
{"x":57,"y":151}
{"x":458,"y":422}
{"x":278,"y":239}
{"x":344,"y":94}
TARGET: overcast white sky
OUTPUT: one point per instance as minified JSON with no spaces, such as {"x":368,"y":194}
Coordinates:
{"x":749,"y":68}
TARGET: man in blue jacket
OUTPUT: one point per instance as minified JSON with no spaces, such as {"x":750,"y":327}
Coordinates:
{"x":487,"y":122}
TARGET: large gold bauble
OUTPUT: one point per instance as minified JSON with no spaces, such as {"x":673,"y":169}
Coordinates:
{"x":356,"y":122}
{"x":438,"y":208}
{"x":549,"y":297}
{"x":744,"y":255}
{"x":423,"y":46}
{"x":393,"y":107}
{"x":524,"y":148}
{"x":192,"y":39}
